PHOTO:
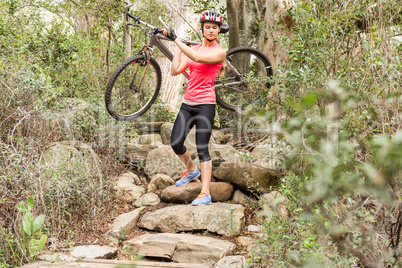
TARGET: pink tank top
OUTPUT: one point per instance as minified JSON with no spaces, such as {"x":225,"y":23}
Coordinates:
{"x":200,"y":86}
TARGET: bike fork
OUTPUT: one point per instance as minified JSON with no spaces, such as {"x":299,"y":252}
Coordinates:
{"x":148,"y":51}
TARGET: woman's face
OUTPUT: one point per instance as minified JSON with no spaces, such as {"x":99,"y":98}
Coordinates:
{"x":211,"y":30}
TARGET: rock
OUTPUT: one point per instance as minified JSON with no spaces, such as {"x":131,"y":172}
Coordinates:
{"x":245,"y":241}
{"x":274,"y":202}
{"x":217,"y":136}
{"x":159,"y":182}
{"x":220,"y":192}
{"x":223,"y":153}
{"x":246,"y":176}
{"x":56,"y":257}
{"x":124,"y":224}
{"x":254,"y":228}
{"x":166,"y":132}
{"x":149,"y":199}
{"x":163,"y":160}
{"x":232,"y":262}
{"x":180,"y":248}
{"x":130,"y":177}
{"x":240,"y":198}
{"x":264,"y":157}
{"x":72,"y":159}
{"x":154,"y":139}
{"x":127,"y":190}
{"x":94,"y":252}
{"x":221,"y":218}
{"x":139,"y":151}
{"x":61,"y":154}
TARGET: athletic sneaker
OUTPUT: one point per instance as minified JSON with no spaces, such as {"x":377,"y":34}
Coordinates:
{"x":187,"y":177}
{"x":202,"y":199}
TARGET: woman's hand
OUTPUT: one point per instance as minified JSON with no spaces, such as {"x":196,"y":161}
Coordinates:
{"x":171,"y":34}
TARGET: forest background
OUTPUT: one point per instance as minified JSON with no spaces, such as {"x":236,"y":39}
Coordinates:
{"x":335,"y":103}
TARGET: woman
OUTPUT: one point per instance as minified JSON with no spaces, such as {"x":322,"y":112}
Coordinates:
{"x":198,"y":107}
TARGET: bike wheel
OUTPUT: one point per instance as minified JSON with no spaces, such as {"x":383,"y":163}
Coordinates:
{"x":246,"y":78}
{"x":133,"y":88}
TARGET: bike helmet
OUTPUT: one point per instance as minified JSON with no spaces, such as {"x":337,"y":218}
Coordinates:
{"x":212,"y":16}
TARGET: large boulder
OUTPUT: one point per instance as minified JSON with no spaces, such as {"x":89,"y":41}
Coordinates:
{"x":180,"y":248}
{"x":71,"y":159}
{"x":246,"y":176}
{"x":221,"y":218}
{"x":220,"y":192}
{"x":163,"y":160}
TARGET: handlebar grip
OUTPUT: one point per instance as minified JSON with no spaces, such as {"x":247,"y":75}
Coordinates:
{"x":133,"y":17}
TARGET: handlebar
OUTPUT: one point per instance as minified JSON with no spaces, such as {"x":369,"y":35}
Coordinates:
{"x":138,"y":20}
{"x":158,"y":30}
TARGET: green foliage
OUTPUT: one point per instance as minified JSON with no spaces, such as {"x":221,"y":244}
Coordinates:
{"x":27,"y":246}
{"x":200,"y":5}
{"x":55,"y":59}
{"x":336,"y":208}
{"x":344,"y":189}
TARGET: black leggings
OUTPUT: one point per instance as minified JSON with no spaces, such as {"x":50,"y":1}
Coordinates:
{"x":202,"y":116}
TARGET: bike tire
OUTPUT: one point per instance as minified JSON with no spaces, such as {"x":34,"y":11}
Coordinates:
{"x":129,"y":92}
{"x":250,"y":85}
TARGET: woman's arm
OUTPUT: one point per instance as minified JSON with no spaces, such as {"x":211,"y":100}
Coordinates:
{"x":179,"y":63}
{"x":217,"y":55}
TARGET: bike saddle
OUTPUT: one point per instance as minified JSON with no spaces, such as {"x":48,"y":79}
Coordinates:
{"x":224,"y":28}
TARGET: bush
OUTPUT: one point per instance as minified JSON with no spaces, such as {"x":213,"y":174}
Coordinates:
{"x":345,"y":138}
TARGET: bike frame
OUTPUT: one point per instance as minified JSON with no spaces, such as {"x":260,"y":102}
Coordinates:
{"x":156,"y":41}
{"x":156,"y":38}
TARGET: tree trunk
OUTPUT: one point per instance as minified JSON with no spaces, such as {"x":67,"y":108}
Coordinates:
{"x":171,"y":85}
{"x":277,"y":19}
{"x":255,"y":23}
{"x":127,"y":33}
{"x":241,"y":19}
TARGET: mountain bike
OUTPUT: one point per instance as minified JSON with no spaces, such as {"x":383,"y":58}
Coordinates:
{"x":134,"y":85}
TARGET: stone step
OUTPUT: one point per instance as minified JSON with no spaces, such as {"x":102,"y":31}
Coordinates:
{"x":181,"y":248}
{"x":221,"y":218}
